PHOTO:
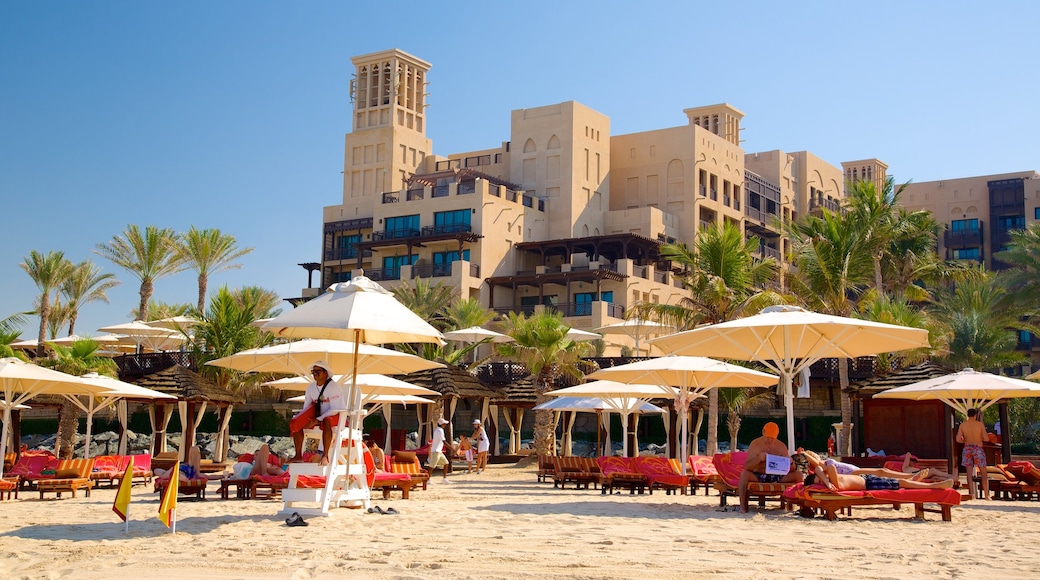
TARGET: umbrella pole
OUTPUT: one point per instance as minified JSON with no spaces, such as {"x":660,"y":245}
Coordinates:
{"x":6,"y":430}
{"x":789,"y":403}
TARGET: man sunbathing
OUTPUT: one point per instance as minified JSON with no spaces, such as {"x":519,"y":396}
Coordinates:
{"x":835,"y":481}
{"x":755,"y":466}
{"x":909,"y":471}
{"x":189,"y":470}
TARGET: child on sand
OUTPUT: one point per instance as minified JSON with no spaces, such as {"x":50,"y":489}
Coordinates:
{"x":465,"y":447}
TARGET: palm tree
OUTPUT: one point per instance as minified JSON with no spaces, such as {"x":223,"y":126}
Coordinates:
{"x":429,"y":301}
{"x":541,"y":344}
{"x":735,"y":401}
{"x":77,"y":359}
{"x":207,"y":252}
{"x":1023,"y":254}
{"x":157,"y":310}
{"x":983,"y":318}
{"x":148,"y":255}
{"x":49,"y":271}
{"x":9,"y":332}
{"x":60,"y":314}
{"x":873,"y":211}
{"x":724,"y":279}
{"x":227,"y":327}
{"x":835,"y":260}
{"x":86,"y":284}
{"x":468,"y":312}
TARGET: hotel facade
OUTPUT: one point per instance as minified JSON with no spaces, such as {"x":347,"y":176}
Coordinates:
{"x":561,"y":213}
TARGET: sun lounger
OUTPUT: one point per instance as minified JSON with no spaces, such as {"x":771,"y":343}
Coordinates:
{"x":1025,"y":482}
{"x":817,"y":496}
{"x":271,"y":486}
{"x":196,"y":487}
{"x":581,"y":471}
{"x":142,"y":467}
{"x":70,"y":475}
{"x":32,"y":467}
{"x":546,"y":468}
{"x":387,"y":481}
{"x":729,"y":467}
{"x":108,"y":469}
{"x":8,"y":486}
{"x":702,"y":473}
{"x":661,"y":474}
{"x":620,"y":472}
{"x":408,"y":462}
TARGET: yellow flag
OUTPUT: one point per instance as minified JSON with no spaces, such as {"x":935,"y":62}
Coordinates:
{"x":121,"y":505}
{"x":168,"y":505}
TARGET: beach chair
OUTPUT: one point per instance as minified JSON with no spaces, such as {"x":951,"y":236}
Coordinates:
{"x":387,"y":481}
{"x":661,"y":473}
{"x":546,"y":468}
{"x":142,"y":467}
{"x":196,"y":486}
{"x":581,"y":471}
{"x":620,"y":472}
{"x":108,"y":468}
{"x":407,"y":462}
{"x":32,"y":467}
{"x":70,"y":475}
{"x":8,"y":486}
{"x":270,"y":486}
{"x":729,"y":467}
{"x":702,"y":473}
{"x":817,"y":496}
{"x":1026,"y":479}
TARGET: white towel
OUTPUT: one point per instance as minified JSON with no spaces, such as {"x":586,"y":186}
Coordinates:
{"x":803,"y":384}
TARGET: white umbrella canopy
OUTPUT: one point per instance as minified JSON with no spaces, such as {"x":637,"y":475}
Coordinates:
{"x":963,"y":390}
{"x":357,"y":311}
{"x":115,"y":390}
{"x":788,"y":339}
{"x":20,"y":381}
{"x":142,"y":334}
{"x":382,"y":400}
{"x":179,"y":323}
{"x":371,"y":385}
{"x":297,"y":357}
{"x":591,"y":404}
{"x":476,"y":334}
{"x":581,"y":335}
{"x":691,"y":376}
{"x":637,"y":329}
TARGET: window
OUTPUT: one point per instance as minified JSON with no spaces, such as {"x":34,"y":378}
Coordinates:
{"x":401,"y":226}
{"x":1036,"y":213}
{"x":1011,"y":222}
{"x":964,"y":226}
{"x":607,"y":296}
{"x":442,"y":261}
{"x":449,"y":222}
{"x":583,"y":303}
{"x":967,"y":254}
{"x":349,"y":244}
{"x":392,"y":264}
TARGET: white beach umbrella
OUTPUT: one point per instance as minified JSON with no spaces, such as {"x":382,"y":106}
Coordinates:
{"x":623,"y":406}
{"x":371,"y":385}
{"x":21,"y":381}
{"x":581,"y":335}
{"x":788,"y":339}
{"x":361,"y":312}
{"x":142,"y":334}
{"x":178,"y":323}
{"x":476,"y":334}
{"x":637,"y":329}
{"x":297,"y":358}
{"x":963,"y":390}
{"x":692,"y":376}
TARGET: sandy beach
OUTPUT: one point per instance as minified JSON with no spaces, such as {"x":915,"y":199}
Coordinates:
{"x":503,"y":524}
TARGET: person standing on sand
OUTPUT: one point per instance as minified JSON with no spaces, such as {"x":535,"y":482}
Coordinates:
{"x":483,"y":445}
{"x":972,"y":433}
{"x":437,"y":458}
{"x":755,"y":466}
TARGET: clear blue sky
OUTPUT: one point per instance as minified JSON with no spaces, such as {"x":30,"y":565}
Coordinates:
{"x":231,"y":114}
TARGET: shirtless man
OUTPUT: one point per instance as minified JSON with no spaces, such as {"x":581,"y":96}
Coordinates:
{"x":835,"y":481}
{"x":908,"y":470}
{"x":972,"y":433}
{"x":755,"y":466}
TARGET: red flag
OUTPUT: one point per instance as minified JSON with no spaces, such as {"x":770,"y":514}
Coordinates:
{"x":121,"y":505}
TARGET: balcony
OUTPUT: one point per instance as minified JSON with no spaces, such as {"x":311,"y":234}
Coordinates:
{"x":395,"y":234}
{"x":965,"y":238}
{"x":381,"y":274}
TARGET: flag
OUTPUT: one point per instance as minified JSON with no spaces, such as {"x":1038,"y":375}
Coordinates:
{"x":168,"y":505}
{"x":121,"y":505}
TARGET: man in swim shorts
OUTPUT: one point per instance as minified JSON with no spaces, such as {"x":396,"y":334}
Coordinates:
{"x":755,"y":466}
{"x":835,"y":481}
{"x":972,"y":433}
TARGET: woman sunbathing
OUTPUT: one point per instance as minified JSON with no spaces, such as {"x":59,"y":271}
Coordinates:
{"x":190,"y":469}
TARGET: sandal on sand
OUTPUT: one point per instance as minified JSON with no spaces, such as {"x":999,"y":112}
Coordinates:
{"x":295,"y":520}
{"x":376,"y":510}
{"x":390,"y":512}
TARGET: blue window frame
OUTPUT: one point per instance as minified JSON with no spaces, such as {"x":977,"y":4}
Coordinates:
{"x":583,"y":303}
{"x":449,"y":257}
{"x":1011,"y":222}
{"x":401,"y":226}
{"x":967,"y":254}
{"x":393,"y":263}
{"x":349,"y":244}
{"x":964,"y":226}
{"x":1036,"y":213}
{"x":449,"y":222}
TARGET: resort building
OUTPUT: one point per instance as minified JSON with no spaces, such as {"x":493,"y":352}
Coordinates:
{"x":561,"y":213}
{"x":977,"y":213}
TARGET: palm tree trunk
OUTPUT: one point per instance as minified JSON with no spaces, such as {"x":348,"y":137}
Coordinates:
{"x":203,"y":283}
{"x":146,"y":295}
{"x":73,"y":315}
{"x":733,"y":423}
{"x":68,"y":425}
{"x":845,"y":448}
{"x":543,"y":435}
{"x":45,"y":311}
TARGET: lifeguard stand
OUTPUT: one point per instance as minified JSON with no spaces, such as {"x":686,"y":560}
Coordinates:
{"x":345,"y":477}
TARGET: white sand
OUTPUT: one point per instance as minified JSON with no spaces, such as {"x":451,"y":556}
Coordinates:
{"x":503,"y":524}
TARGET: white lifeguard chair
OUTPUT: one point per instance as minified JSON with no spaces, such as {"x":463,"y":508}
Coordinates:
{"x":346,"y":475}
